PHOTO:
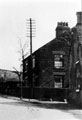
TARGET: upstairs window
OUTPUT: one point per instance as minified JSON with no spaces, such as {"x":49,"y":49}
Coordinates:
{"x":81,"y":50}
{"x":58,"y":61}
{"x":26,"y":66}
{"x":33,"y":62}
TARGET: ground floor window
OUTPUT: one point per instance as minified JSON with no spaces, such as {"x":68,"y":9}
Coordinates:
{"x":58,"y":81}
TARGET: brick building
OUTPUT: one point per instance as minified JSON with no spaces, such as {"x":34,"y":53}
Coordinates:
{"x":56,"y":65}
{"x":50,"y":66}
{"x":78,"y":50}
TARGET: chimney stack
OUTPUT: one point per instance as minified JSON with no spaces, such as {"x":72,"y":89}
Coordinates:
{"x":79,"y":18}
{"x":61,"y":28}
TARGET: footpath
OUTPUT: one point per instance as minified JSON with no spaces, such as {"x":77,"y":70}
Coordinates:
{"x":48,"y":104}
{"x":32,"y":100}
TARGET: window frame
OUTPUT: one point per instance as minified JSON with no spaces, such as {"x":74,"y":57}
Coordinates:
{"x":58,"y":61}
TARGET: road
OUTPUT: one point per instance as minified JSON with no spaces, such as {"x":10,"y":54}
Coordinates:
{"x":14,"y":109}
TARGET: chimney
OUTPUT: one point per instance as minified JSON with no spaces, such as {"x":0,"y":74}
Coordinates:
{"x":79,"y":18}
{"x":61,"y":28}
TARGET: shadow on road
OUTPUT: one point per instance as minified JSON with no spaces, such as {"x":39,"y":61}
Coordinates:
{"x":61,"y":106}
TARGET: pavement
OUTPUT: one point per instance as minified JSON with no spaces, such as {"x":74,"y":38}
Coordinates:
{"x":33,"y":100}
{"x":46,"y":104}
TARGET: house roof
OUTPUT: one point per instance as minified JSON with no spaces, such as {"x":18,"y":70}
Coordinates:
{"x":55,"y":40}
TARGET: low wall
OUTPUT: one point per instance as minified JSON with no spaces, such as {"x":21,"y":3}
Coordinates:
{"x":37,"y":93}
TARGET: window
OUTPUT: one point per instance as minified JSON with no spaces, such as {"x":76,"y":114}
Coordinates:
{"x":78,"y":73}
{"x":26,"y":66}
{"x":33,"y":62}
{"x":58,"y":61}
{"x":81,"y":51}
{"x":58,"y":64}
{"x":58,"y":81}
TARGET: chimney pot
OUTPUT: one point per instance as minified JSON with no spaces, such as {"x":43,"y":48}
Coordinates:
{"x":79,"y":17}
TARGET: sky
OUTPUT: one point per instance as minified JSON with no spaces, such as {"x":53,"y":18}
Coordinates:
{"x":14,"y":19}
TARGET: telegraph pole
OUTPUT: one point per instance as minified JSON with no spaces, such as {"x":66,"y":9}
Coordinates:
{"x":30,"y":36}
{"x":30,"y":32}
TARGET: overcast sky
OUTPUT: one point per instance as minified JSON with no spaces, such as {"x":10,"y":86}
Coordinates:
{"x":46,"y":13}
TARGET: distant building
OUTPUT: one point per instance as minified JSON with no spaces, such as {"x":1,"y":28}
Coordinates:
{"x":7,"y":75}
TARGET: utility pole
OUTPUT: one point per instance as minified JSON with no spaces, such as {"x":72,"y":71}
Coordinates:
{"x":30,"y":31}
{"x":30,"y":36}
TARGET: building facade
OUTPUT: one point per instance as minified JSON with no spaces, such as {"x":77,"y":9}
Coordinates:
{"x":78,"y":50}
{"x":49,"y":66}
{"x":58,"y":64}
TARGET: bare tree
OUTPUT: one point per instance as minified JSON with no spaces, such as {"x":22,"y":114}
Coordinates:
{"x":21,"y":51}
{"x":18,"y":73}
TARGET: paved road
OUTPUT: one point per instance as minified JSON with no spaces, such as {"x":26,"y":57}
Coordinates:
{"x":11,"y":109}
